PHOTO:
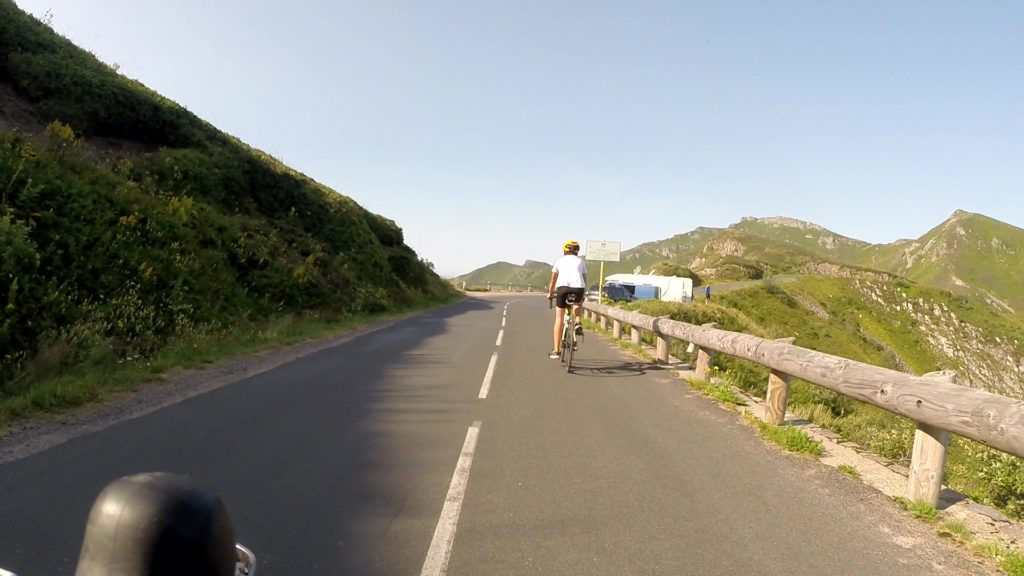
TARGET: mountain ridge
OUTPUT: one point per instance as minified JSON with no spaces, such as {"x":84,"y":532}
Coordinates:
{"x":965,"y":253}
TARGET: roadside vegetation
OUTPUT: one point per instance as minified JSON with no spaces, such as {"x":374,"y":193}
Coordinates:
{"x":849,"y":326}
{"x":54,"y":386}
{"x":849,"y":470}
{"x":1007,"y":559}
{"x":953,"y":528}
{"x":719,"y":387}
{"x":918,"y":509}
{"x":132,"y":232}
{"x":789,"y":438}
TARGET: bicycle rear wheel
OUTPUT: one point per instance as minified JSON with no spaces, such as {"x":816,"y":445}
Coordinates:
{"x":563,"y":354}
{"x":569,"y":350}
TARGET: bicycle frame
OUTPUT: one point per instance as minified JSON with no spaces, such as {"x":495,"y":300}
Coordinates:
{"x":568,"y":335}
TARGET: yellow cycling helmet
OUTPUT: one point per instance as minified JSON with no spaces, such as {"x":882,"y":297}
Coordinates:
{"x":571,"y":246}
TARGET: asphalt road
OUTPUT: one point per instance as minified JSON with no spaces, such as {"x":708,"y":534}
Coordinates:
{"x":380,"y":457}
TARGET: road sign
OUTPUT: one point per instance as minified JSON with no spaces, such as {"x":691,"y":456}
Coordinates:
{"x":603,"y":251}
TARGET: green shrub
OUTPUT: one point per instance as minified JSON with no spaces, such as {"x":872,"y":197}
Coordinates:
{"x":721,"y":391}
{"x":745,"y":375}
{"x":789,"y":438}
{"x":114,"y":255}
{"x":918,"y":509}
{"x":849,"y":470}
{"x":1010,"y":561}
{"x":956,"y":528}
{"x":987,"y":475}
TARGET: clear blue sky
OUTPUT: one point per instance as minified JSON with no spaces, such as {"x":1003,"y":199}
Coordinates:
{"x":476,"y":125}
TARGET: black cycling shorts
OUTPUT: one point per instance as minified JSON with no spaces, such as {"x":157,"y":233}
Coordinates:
{"x":563,"y":292}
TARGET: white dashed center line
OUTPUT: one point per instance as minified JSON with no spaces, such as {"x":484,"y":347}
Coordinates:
{"x":486,"y":388}
{"x":440,"y":550}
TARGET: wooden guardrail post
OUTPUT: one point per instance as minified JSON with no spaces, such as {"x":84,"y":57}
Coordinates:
{"x":928,"y":462}
{"x":634,"y":335}
{"x":661,"y":353}
{"x":705,"y":357}
{"x":702,"y":369}
{"x":778,"y":394}
{"x":616,"y":329}
{"x":660,"y":343}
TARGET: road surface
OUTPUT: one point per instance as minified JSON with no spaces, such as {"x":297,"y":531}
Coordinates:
{"x":436,"y":446}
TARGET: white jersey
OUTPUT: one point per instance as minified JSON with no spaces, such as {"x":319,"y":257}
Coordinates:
{"x":571,"y":270}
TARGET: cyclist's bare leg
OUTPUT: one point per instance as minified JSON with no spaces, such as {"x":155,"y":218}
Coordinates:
{"x":559,"y":317}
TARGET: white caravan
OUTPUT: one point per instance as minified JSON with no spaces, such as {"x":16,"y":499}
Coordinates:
{"x":669,"y":288}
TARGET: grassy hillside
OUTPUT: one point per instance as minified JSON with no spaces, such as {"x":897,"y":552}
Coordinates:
{"x":127,"y":222}
{"x":736,"y":255}
{"x":739,"y":251}
{"x":680,"y":249}
{"x":968,"y":253}
{"x":531,"y":273}
{"x":895,"y":324}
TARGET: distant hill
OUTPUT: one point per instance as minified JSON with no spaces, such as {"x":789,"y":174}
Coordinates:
{"x":750,"y":249}
{"x":968,"y":253}
{"x":530,"y":273}
{"x":681,"y":249}
{"x":811,"y":237}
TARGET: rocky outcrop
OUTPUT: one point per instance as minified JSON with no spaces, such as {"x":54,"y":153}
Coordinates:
{"x":840,"y":271}
{"x":982,"y":360}
{"x":812,"y":305}
{"x":784,"y":222}
{"x":726,"y":247}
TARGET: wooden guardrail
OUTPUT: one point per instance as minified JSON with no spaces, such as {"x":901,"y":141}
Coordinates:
{"x":934,"y":401}
{"x":502,"y":287}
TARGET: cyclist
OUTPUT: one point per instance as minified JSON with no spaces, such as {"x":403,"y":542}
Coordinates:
{"x":568,"y":276}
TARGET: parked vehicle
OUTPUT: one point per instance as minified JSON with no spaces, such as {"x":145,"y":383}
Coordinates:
{"x":667,"y":288}
{"x":617,"y":293}
{"x":646,"y":292}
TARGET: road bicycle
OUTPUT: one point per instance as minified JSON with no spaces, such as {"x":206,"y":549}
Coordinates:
{"x":570,"y":342}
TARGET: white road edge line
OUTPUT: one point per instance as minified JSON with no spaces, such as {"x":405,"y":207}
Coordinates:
{"x":502,"y":322}
{"x":501,"y":334}
{"x":440,"y":550}
{"x":487,"y":377}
